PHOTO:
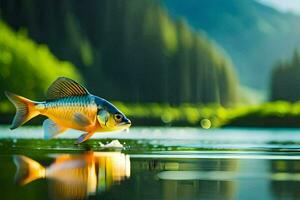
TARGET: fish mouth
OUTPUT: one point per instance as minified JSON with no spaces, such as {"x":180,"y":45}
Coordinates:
{"x":127,"y":124}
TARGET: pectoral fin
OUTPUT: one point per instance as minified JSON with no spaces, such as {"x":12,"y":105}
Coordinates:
{"x":52,"y":129}
{"x":83,"y":137}
{"x":81,"y":120}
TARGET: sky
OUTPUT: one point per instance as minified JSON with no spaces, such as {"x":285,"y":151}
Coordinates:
{"x":284,"y":5}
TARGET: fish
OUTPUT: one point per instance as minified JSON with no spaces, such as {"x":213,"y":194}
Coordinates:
{"x":72,"y":176}
{"x":69,"y":105}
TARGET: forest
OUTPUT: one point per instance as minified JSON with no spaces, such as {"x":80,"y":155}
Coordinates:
{"x":285,"y":79}
{"x":129,"y":51}
{"x":156,"y":67}
{"x":254,"y":34}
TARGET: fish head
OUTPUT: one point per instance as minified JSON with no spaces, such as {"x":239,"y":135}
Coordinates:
{"x":110,"y":117}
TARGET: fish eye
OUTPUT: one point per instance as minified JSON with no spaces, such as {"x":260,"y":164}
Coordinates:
{"x":118,"y":117}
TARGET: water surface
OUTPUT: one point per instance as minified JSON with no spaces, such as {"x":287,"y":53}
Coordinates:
{"x":154,"y":163}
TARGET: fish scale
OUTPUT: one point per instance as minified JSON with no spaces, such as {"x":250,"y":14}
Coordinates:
{"x":64,"y":109}
{"x":69,"y":106}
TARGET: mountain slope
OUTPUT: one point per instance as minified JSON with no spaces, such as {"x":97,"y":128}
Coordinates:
{"x":254,"y":34}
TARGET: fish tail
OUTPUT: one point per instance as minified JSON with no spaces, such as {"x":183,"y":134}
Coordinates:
{"x":28,"y":170}
{"x":25,"y":109}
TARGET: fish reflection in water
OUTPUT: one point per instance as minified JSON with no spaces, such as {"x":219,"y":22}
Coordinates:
{"x":75,"y":176}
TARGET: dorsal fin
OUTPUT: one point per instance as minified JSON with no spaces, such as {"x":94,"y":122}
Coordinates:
{"x":65,"y":87}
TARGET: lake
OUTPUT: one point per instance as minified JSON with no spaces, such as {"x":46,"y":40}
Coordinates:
{"x":152,"y":163}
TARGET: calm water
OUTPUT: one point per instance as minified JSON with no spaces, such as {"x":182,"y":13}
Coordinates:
{"x":165,"y":163}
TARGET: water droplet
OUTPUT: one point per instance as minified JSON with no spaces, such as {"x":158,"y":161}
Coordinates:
{"x":205,"y":123}
{"x":166,"y":118}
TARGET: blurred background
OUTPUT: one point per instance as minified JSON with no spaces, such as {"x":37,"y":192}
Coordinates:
{"x":173,"y":64}
{"x":196,"y":63}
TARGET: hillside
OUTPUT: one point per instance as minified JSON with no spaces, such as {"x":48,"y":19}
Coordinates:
{"x":27,"y":68}
{"x":131,"y":52}
{"x":254,"y":35}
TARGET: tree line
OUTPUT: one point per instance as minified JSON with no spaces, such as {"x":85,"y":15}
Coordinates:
{"x":130,"y":50}
{"x":285,"y":82}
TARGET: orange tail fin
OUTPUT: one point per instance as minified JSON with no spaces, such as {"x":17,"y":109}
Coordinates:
{"x":25,"y":109}
{"x":27,"y":170}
